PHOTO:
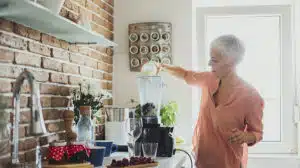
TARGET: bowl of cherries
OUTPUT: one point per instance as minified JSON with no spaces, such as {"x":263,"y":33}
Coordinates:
{"x":133,"y":162}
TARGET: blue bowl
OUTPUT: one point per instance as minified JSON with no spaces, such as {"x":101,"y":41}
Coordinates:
{"x":109,"y":146}
{"x":97,"y":156}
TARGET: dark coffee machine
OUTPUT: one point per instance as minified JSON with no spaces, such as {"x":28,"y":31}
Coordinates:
{"x":150,"y":92}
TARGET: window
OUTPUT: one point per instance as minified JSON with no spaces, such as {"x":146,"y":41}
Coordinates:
{"x":267,"y":64}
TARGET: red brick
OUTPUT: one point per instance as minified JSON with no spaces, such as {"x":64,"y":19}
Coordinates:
{"x":30,"y":156}
{"x":71,"y":6}
{"x":81,"y":2}
{"x":109,"y":86}
{"x":34,"y":34}
{"x":87,"y":72}
{"x":103,"y":85}
{"x":40,"y":76}
{"x":107,"y":59}
{"x":73,"y":48}
{"x":50,"y":40}
{"x":64,"y":13}
{"x":14,"y":42}
{"x":10,"y":71}
{"x":55,"y":127}
{"x":6,"y":56}
{"x":90,"y":63}
{"x":55,"y":89}
{"x":109,"y":51}
{"x":38,"y":48}
{"x":46,"y":101}
{"x":5,"y":162}
{"x":27,"y":144}
{"x":59,"y":102}
{"x":6,"y":25}
{"x":25,"y":88}
{"x":97,"y":75}
{"x":72,"y":17}
{"x":27,"y":59}
{"x":110,"y":2}
{"x":102,"y":31}
{"x":101,"y":49}
{"x":64,"y":44}
{"x":96,"y":55}
{"x":107,"y":76}
{"x":102,"y":66}
{"x":21,"y":30}
{"x":5,"y":86}
{"x":104,"y":6}
{"x":8,"y":101}
{"x":4,"y":147}
{"x":110,"y":69}
{"x":58,"y":78}
{"x":23,"y":131}
{"x":102,"y":22}
{"x":51,"y":64}
{"x":25,"y":117}
{"x":77,"y":59}
{"x":70,"y":68}
{"x":60,"y":54}
{"x":85,"y":51}
{"x":74,"y":80}
{"x":53,"y":114}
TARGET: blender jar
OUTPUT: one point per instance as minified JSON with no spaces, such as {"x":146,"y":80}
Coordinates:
{"x":150,"y":93}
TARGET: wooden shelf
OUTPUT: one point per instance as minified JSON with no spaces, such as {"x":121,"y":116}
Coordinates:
{"x":38,"y":17}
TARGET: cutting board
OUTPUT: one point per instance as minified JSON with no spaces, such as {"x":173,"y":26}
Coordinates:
{"x":138,"y":166}
{"x":82,"y":165}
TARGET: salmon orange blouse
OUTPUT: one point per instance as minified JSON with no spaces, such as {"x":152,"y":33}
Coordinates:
{"x":242,"y":110}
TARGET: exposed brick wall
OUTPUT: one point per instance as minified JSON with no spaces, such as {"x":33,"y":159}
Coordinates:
{"x":58,"y":67}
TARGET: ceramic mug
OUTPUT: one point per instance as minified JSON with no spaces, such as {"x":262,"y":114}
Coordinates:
{"x":97,"y":156}
{"x":109,"y":146}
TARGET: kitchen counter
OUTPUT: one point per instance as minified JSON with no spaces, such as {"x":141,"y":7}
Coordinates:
{"x":179,"y":160}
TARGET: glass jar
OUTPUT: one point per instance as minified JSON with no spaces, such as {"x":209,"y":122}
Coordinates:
{"x":150,"y":92}
{"x":85,"y":126}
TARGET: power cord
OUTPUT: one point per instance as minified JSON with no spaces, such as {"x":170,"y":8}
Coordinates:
{"x":190,"y":157}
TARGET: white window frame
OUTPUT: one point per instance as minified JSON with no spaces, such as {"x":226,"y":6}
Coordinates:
{"x":288,"y":144}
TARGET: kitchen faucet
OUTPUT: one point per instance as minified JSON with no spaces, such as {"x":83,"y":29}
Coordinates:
{"x":37,"y":124}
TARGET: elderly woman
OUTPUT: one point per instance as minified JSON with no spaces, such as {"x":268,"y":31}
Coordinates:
{"x":230,"y":117}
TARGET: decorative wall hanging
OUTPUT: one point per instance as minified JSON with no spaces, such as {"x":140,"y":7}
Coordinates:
{"x":149,"y":41}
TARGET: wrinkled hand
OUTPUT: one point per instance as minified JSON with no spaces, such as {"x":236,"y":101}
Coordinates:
{"x":240,"y":137}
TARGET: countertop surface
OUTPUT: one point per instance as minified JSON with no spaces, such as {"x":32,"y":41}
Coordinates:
{"x":179,"y":160}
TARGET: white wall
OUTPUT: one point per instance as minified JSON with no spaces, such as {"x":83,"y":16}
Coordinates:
{"x":179,"y":13}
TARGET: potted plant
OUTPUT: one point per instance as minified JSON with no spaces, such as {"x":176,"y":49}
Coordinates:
{"x":167,"y":113}
{"x":89,"y":99}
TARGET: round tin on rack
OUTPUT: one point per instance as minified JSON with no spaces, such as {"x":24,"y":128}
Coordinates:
{"x":144,"y":37}
{"x":144,"y":60}
{"x":166,"y":36}
{"x":133,"y":49}
{"x":155,"y":36}
{"x":133,"y":37}
{"x":155,"y":49}
{"x":165,"y":49}
{"x":155,"y":59}
{"x":166,"y":60}
{"x":144,"y":50}
{"x":134,"y":62}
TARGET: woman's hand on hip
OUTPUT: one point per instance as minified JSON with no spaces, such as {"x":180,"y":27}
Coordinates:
{"x":240,"y":137}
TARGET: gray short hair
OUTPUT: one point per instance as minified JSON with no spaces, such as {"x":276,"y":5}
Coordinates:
{"x":229,"y":45}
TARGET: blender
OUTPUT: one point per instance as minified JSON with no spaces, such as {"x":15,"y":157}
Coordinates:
{"x":150,"y":89}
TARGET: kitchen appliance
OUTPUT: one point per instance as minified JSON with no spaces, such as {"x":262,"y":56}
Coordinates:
{"x":150,"y":93}
{"x":115,"y":125}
